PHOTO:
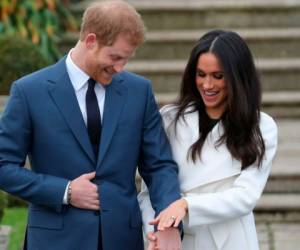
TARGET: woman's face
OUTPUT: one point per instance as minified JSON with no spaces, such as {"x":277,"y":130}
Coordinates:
{"x":211,"y":84}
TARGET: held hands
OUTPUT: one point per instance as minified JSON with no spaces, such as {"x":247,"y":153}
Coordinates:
{"x":84,"y":193}
{"x":168,"y":237}
{"x":171,"y":216}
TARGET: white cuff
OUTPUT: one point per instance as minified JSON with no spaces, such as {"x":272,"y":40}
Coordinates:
{"x":65,"y":199}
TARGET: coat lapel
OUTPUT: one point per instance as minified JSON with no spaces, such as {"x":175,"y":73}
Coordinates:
{"x":63,"y":95}
{"x":115,"y":97}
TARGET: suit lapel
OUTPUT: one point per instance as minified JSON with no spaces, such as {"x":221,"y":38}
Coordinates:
{"x":63,"y":95}
{"x":115,"y":97}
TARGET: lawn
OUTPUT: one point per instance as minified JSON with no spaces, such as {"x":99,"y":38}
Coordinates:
{"x":17,"y":218}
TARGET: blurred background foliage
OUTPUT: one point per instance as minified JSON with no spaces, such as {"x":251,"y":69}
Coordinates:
{"x":3,"y":203}
{"x":18,"y":57}
{"x":40,"y":21}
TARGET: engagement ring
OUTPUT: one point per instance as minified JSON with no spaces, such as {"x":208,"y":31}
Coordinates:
{"x":173,"y":217}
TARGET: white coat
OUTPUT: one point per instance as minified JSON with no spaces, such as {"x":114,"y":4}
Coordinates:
{"x":220,"y":196}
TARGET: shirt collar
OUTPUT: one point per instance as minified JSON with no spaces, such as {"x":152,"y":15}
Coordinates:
{"x":77,"y":76}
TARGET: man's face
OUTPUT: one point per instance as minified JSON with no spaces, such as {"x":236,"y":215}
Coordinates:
{"x":102,"y":62}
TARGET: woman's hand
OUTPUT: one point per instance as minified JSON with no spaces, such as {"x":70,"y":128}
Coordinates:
{"x":171,"y":216}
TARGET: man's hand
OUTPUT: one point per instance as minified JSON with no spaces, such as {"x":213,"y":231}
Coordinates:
{"x":151,"y":240}
{"x":84,"y":193}
{"x":168,"y":239}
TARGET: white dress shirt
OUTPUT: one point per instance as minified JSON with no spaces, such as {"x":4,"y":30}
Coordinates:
{"x":79,"y":81}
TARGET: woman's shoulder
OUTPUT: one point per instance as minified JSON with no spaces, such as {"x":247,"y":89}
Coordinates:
{"x":168,"y":113}
{"x":268,"y":126}
{"x":172,"y":109}
{"x":267,"y":121}
{"x":168,"y":110}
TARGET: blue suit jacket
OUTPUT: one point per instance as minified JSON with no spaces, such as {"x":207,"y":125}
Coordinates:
{"x":43,"y":120}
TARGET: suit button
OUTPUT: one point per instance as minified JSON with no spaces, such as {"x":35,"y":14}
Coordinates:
{"x":96,"y":213}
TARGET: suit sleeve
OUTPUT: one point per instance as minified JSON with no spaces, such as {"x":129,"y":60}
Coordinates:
{"x":16,"y":133}
{"x":156,"y":165}
{"x":146,"y":209}
{"x":241,"y":198}
{"x":144,"y":199}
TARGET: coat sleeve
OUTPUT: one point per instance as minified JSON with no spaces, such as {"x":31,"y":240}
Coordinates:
{"x":156,"y":164}
{"x":15,"y":143}
{"x":241,"y":198}
{"x":146,"y":209}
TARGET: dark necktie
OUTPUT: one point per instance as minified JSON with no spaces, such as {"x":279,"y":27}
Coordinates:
{"x":93,"y":116}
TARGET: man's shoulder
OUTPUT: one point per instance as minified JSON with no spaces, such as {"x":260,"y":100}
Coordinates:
{"x":38,"y":76}
{"x":35,"y":75}
{"x":133,"y":78}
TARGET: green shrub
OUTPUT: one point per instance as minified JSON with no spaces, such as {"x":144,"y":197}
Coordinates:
{"x":40,"y":21}
{"x":3,"y":203}
{"x":18,"y":57}
{"x":13,"y":201}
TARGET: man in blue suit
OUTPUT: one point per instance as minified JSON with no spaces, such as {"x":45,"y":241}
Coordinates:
{"x":86,"y":126}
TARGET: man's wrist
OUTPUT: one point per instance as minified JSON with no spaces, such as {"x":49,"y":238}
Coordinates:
{"x":69,"y":193}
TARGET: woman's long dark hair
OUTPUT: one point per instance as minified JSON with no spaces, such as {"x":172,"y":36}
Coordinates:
{"x":241,"y":118}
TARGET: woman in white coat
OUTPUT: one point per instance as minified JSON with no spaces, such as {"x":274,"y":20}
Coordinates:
{"x":224,"y":147}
